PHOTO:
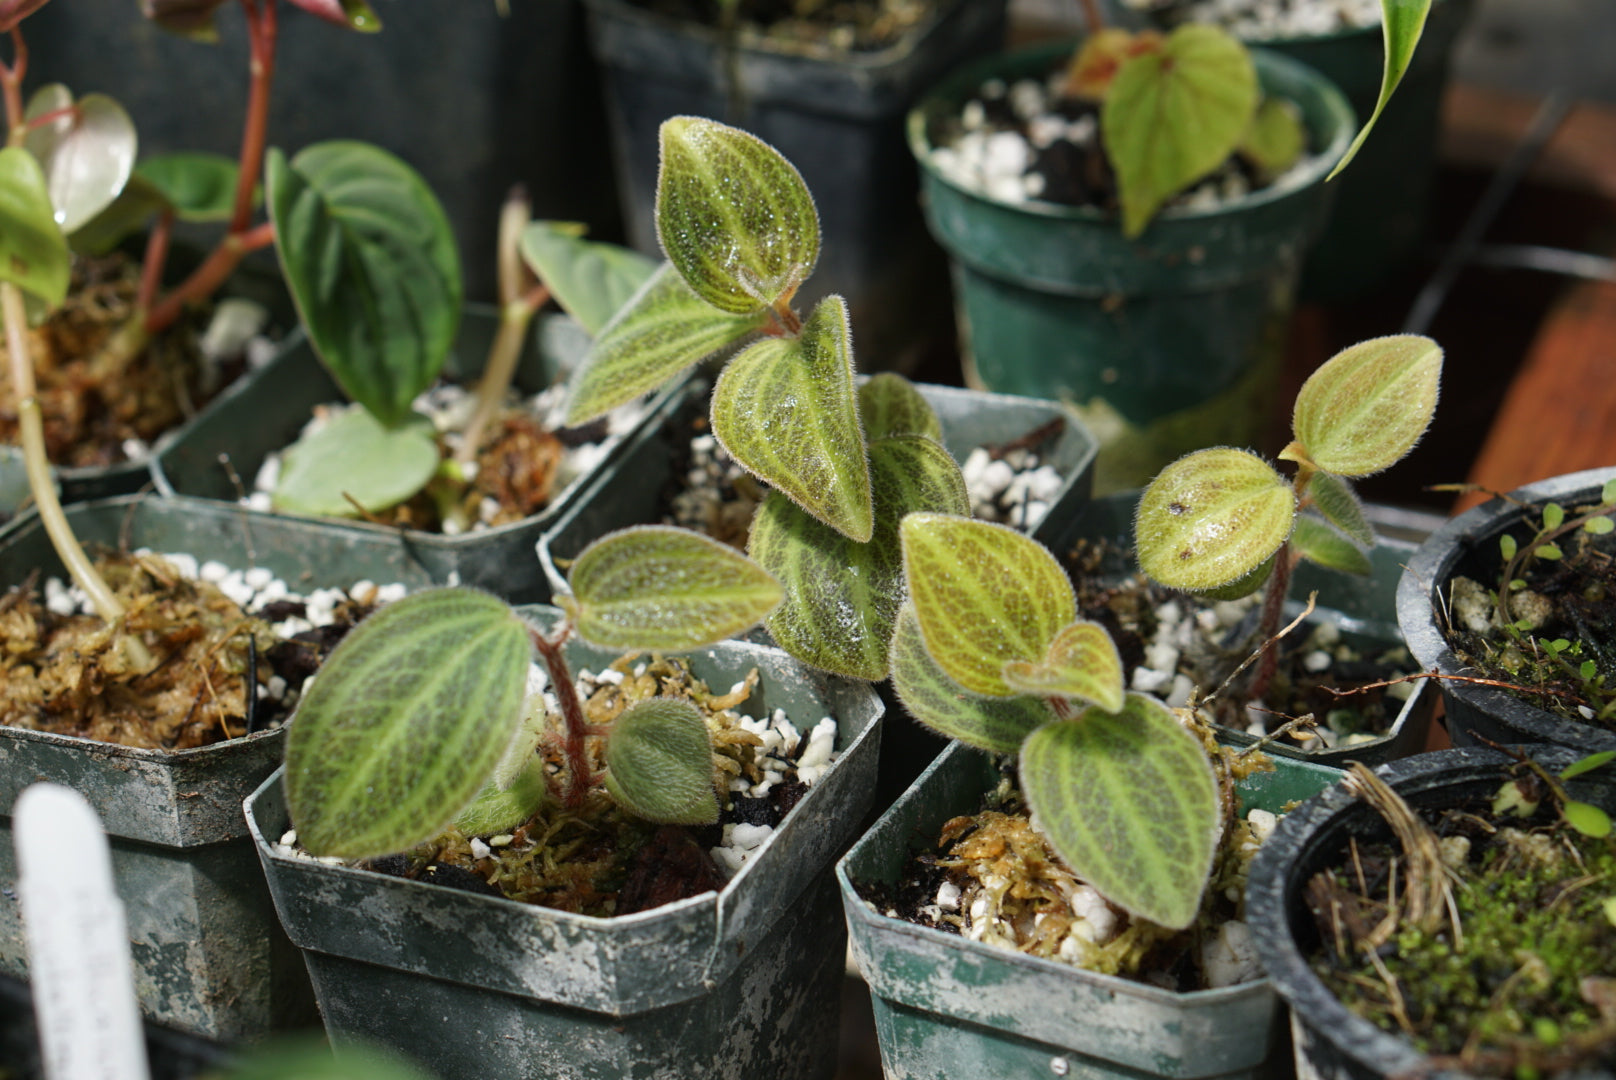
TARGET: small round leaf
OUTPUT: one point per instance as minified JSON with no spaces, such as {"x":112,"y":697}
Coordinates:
{"x":354,"y":456}
{"x":1367,"y":406}
{"x":659,"y":763}
{"x":1211,"y":518}
{"x":87,"y":151}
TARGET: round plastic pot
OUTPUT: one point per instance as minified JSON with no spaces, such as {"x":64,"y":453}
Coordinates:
{"x":836,"y":115}
{"x":947,"y":1008}
{"x":732,"y":985}
{"x":1164,"y":343}
{"x":209,"y":955}
{"x":1332,"y":1042}
{"x":1468,"y":546}
{"x":269,"y":416}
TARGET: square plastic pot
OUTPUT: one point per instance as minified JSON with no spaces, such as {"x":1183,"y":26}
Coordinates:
{"x":947,"y":1008}
{"x":742,"y":983}
{"x":209,"y":955}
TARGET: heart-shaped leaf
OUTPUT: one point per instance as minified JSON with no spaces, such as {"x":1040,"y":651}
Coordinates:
{"x":734,"y":216}
{"x":660,"y":331}
{"x":352,"y":14}
{"x":1211,"y":518}
{"x":1174,"y":115}
{"x":657,"y":587}
{"x":371,"y":263}
{"x":1101,"y":56}
{"x":200,"y":187}
{"x":1082,"y":662}
{"x":1130,"y":802}
{"x":659,"y":763}
{"x":1275,"y":139}
{"x":1401,"y":24}
{"x":590,"y":280}
{"x":87,"y":151}
{"x":985,"y":595}
{"x":495,"y":809}
{"x":1339,"y":504}
{"x":841,"y":595}
{"x":404,"y":722}
{"x":33,"y":253}
{"x":1317,"y":541}
{"x":786,"y":411}
{"x":353,"y":456}
{"x":1367,"y":406}
{"x":995,"y":724}
{"x":890,"y":404}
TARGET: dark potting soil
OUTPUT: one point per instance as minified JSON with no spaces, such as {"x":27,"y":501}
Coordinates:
{"x":841,"y":25}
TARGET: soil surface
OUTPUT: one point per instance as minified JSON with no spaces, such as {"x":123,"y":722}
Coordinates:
{"x":850,"y":25}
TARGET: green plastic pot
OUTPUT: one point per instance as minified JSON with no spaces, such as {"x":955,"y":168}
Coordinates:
{"x":209,"y":955}
{"x":947,"y":1008}
{"x":1163,"y":344}
{"x":732,"y":985}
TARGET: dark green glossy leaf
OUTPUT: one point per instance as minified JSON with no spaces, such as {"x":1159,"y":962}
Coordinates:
{"x":657,"y":587}
{"x":496,"y":810}
{"x":662,"y":330}
{"x":659,"y":763}
{"x":354,"y":455}
{"x":371,"y":263}
{"x":734,"y":216}
{"x":200,"y":187}
{"x":1323,"y":545}
{"x":1082,"y":662}
{"x":87,"y":152}
{"x":1367,"y":406}
{"x":590,"y":280}
{"x":841,"y":595}
{"x":786,"y":411}
{"x":1402,"y":23}
{"x":1211,"y":518}
{"x":404,"y":722}
{"x":1130,"y":802}
{"x":890,"y":404}
{"x":996,"y":724}
{"x":33,"y":253}
{"x":1335,"y":499}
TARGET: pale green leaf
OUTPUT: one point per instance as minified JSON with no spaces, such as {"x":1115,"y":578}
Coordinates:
{"x":1402,"y":23}
{"x":1507,"y":546}
{"x":1317,"y":541}
{"x":659,"y":763}
{"x":352,"y":454}
{"x":1082,"y":662}
{"x":1587,"y":819}
{"x":404,"y":723}
{"x":657,"y":587}
{"x":590,"y":280}
{"x":1598,"y":526}
{"x":1553,"y":515}
{"x":1174,"y":115}
{"x":1550,"y":552}
{"x":1211,"y":518}
{"x":663,"y":329}
{"x":734,"y":216}
{"x":1335,"y":499}
{"x":129,"y":213}
{"x":302,"y":1057}
{"x":200,"y":187}
{"x":33,"y":253}
{"x":890,"y":404}
{"x":1607,"y":494}
{"x":1367,"y":406}
{"x":1587,"y":764}
{"x":1275,"y":139}
{"x":371,"y":263}
{"x":841,"y":595}
{"x":495,"y":809}
{"x":996,"y":724}
{"x":786,"y":411}
{"x":1243,"y":586}
{"x":1129,"y":801}
{"x":87,"y":151}
{"x":984,"y":595}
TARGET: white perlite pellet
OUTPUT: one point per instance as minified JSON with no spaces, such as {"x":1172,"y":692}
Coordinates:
{"x":1261,"y":20}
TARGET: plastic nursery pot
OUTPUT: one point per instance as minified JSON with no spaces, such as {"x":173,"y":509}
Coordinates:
{"x":1468,"y":545}
{"x":1163,"y":344}
{"x":1332,"y":1042}
{"x":1364,"y":611}
{"x":947,"y":1008}
{"x":741,"y":983}
{"x":836,"y":114}
{"x":209,"y":955}
{"x":268,"y":418}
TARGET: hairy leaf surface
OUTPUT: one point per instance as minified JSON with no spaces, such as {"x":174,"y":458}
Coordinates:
{"x":1322,"y":544}
{"x":659,"y":763}
{"x":1082,"y":662}
{"x":495,"y":809}
{"x":1367,"y":406}
{"x":890,"y":404}
{"x":1335,"y":499}
{"x":1211,"y":518}
{"x":590,"y":280}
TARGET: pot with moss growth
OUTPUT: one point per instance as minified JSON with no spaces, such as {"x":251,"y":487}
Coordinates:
{"x":1509,"y":604}
{"x":210,"y":957}
{"x":1524,"y":989}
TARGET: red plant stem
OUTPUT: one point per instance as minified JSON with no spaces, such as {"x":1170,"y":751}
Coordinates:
{"x":1092,"y":16}
{"x":1279,"y":586}
{"x":11,"y":76}
{"x":151,"y":268}
{"x":577,"y":728}
{"x":219,"y":264}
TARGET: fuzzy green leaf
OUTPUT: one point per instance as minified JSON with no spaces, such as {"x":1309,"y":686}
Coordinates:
{"x":841,"y":595}
{"x":890,"y":404}
{"x":786,"y":411}
{"x":1587,"y":764}
{"x":87,"y":152}
{"x":657,"y":587}
{"x":1335,"y":499}
{"x":1174,"y":115}
{"x":1587,"y":819}
{"x":659,"y":763}
{"x":733,"y":215}
{"x":1367,"y":406}
{"x":590,"y":280}
{"x":354,"y":455}
{"x":985,"y":595}
{"x":1402,"y":23}
{"x":1082,"y":662}
{"x":200,"y":187}
{"x":1276,"y":137}
{"x":495,"y":809}
{"x":1322,"y":544}
{"x":663,"y":329}
{"x":404,"y":723}
{"x":1130,"y":802}
{"x":33,"y":253}
{"x":995,"y":724}
{"x":371,"y":264}
{"x":1211,"y":518}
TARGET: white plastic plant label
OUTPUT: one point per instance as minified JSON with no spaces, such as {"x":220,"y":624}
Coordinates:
{"x":78,"y":945}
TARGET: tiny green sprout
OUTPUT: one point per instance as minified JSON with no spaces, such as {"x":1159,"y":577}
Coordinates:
{"x":1551,"y":525}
